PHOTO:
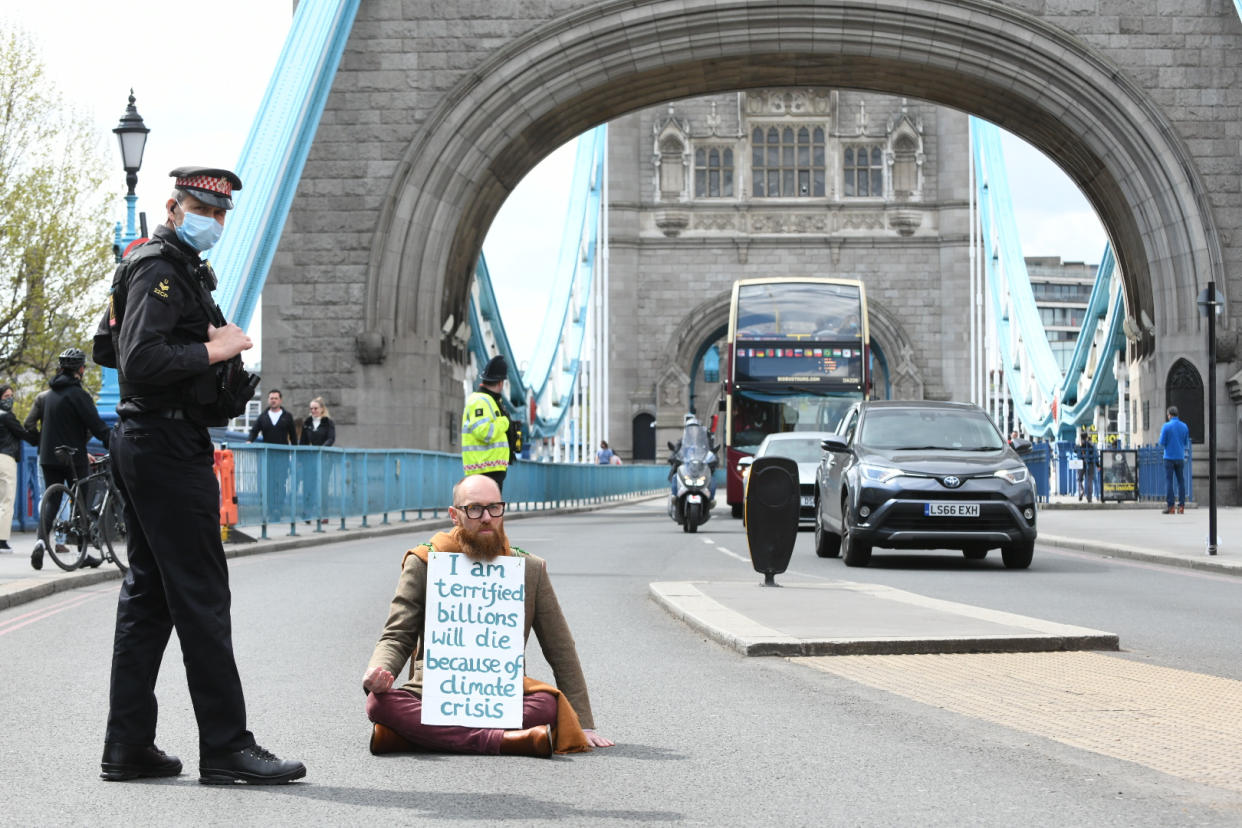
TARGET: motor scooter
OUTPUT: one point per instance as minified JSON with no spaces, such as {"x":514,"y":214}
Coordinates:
{"x":692,"y":491}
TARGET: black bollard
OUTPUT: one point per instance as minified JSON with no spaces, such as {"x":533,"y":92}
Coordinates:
{"x":772,"y":504}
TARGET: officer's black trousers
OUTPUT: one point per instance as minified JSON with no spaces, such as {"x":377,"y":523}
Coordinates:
{"x":178,"y":578}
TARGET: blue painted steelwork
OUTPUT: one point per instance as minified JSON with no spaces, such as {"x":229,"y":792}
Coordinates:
{"x":271,"y":162}
{"x":296,"y":484}
{"x":275,"y":151}
{"x":553,"y":371}
{"x":1031,"y":369}
{"x":485,"y":316}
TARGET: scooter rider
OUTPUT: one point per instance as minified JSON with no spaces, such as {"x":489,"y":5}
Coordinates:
{"x":675,"y":459}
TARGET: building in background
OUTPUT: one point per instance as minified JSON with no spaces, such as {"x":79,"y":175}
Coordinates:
{"x":779,"y":182}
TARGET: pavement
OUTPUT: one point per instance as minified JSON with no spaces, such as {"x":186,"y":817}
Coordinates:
{"x":829,"y":618}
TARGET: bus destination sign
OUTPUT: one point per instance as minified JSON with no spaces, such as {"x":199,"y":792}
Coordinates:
{"x":804,"y":363}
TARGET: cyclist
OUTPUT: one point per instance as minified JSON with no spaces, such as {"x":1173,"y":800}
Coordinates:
{"x":69,"y":419}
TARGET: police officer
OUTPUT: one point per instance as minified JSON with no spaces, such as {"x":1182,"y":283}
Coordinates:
{"x":158,"y":333}
{"x":488,"y":439}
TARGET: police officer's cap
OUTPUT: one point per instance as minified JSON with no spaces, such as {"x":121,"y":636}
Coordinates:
{"x":209,"y":185}
{"x":497,"y":370}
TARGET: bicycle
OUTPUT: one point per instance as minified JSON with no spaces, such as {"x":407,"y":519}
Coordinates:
{"x":89,"y":512}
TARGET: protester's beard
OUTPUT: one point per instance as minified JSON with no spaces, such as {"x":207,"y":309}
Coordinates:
{"x":484,"y":546}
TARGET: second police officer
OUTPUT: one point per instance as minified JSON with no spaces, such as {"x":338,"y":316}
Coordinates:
{"x":488,"y":439}
{"x":169,"y":343}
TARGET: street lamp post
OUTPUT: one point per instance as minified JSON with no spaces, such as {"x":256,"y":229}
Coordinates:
{"x":131,"y":135}
{"x":1210,"y":303}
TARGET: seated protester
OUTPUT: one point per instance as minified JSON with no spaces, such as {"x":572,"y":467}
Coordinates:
{"x":554,"y":718}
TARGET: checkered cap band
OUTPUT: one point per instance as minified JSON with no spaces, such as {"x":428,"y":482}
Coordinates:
{"x":207,"y":182}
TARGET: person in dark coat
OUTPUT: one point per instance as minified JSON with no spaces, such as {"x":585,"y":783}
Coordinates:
{"x":12,"y":435}
{"x":275,"y":425}
{"x":277,"y":428}
{"x":1090,"y":463}
{"x":317,"y":430}
{"x":69,"y":418}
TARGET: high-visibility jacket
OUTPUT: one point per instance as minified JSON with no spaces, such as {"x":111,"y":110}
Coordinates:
{"x":484,"y":435}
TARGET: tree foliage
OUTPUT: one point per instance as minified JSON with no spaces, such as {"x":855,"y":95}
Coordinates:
{"x":55,"y":250}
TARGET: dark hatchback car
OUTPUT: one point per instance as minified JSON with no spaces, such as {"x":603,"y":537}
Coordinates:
{"x":923,"y":475}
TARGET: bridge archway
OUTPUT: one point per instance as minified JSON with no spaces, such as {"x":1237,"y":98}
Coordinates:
{"x":1005,"y":65}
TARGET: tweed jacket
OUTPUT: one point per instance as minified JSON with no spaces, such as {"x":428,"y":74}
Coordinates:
{"x":402,"y":639}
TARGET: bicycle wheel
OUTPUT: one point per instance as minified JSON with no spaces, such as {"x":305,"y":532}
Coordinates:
{"x":112,"y":528}
{"x":58,"y":527}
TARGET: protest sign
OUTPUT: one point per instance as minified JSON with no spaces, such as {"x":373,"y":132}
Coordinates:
{"x":473,"y":662}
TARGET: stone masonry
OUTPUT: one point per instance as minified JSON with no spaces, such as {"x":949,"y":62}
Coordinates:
{"x":440,"y":108}
{"x":674,"y":255}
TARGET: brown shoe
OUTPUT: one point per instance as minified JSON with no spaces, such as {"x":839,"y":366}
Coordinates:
{"x":386,"y":740}
{"x":1169,"y":511}
{"x":536,"y":741}
{"x":1181,"y":510}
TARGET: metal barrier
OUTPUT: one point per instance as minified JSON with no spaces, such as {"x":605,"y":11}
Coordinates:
{"x":313,"y":485}
{"x":1151,"y":476}
{"x":1039,"y":463}
{"x":1063,"y":480}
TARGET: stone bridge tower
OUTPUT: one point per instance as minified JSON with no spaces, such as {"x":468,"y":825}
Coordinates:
{"x":783,"y":182}
{"x":439,"y":109}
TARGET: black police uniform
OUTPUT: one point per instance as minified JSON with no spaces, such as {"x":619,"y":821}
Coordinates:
{"x":178,"y":576}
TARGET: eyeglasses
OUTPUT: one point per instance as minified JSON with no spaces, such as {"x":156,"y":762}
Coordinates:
{"x":474,"y":511}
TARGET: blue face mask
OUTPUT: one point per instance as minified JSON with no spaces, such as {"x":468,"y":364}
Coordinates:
{"x":199,"y":232}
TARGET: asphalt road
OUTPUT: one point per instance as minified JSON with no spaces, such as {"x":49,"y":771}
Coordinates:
{"x":705,"y":736}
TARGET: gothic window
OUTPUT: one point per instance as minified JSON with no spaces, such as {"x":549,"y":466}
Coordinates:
{"x":711,"y":366}
{"x":672,"y":172}
{"x":864,"y":171}
{"x":713,"y":173}
{"x":905,"y":168}
{"x":1184,"y":389}
{"x":788,"y":162}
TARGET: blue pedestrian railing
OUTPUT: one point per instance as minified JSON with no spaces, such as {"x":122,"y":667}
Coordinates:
{"x":1039,"y":462}
{"x":1151,"y":480}
{"x":301,"y":485}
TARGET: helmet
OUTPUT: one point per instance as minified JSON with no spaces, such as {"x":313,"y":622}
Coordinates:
{"x":690,"y":419}
{"x":497,"y":370}
{"x":72,"y":359}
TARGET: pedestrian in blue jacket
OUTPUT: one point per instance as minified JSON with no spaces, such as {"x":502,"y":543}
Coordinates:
{"x":1174,"y":438}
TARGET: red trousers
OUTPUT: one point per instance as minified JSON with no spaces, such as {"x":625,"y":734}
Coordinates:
{"x":402,"y":711}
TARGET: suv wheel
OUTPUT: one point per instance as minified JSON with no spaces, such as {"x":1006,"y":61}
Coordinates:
{"x":853,"y":551}
{"x":1018,"y":555}
{"x":827,"y":544}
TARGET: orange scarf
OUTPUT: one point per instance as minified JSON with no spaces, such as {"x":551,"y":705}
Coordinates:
{"x":570,"y":737}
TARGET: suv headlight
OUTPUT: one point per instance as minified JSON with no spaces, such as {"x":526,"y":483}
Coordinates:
{"x":872,"y":473}
{"x":1018,"y":475}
